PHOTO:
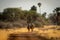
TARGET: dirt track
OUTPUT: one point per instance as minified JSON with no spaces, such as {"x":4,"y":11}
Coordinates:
{"x":4,"y":34}
{"x":26,"y":36}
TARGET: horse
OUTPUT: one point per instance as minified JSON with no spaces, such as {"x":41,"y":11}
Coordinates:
{"x":30,"y":27}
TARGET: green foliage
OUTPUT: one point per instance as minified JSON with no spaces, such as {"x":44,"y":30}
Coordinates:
{"x":33,"y":8}
{"x":39,"y":4}
{"x":44,"y":14}
{"x":0,"y":16}
{"x":12,"y":14}
{"x":31,"y":16}
{"x":55,"y":16}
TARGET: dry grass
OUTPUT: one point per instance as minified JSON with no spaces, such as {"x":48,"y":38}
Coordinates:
{"x":47,"y":33}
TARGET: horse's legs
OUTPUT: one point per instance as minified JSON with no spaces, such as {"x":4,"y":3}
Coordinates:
{"x":28,"y":29}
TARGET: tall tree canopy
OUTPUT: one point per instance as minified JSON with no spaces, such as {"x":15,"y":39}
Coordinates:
{"x":33,"y":8}
{"x":12,"y":13}
{"x":55,"y":17}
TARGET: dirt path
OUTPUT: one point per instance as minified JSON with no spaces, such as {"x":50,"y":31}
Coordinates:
{"x":26,"y":36}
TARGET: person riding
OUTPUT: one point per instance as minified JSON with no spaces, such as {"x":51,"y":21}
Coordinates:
{"x":30,"y":27}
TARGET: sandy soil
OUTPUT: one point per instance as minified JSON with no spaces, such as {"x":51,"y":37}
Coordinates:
{"x":4,"y":33}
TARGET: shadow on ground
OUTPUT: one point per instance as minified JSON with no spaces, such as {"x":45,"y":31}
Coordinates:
{"x":28,"y":36}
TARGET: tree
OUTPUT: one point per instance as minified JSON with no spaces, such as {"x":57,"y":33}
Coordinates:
{"x":32,"y":16}
{"x":33,"y":8}
{"x":52,"y":17}
{"x":55,"y":17}
{"x":12,"y":14}
{"x":39,"y":4}
{"x":58,"y":15}
{"x":1,"y":16}
{"x":57,"y":9}
{"x":44,"y":14}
